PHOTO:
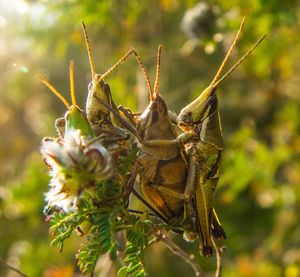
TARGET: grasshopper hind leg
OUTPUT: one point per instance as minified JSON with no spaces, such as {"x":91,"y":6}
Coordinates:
{"x":218,"y":231}
{"x":206,"y":248}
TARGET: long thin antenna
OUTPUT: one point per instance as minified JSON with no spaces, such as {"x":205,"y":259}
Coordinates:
{"x":88,"y":48}
{"x":240,"y":60}
{"x":145,"y":73}
{"x":72,"y":87}
{"x":228,"y":53}
{"x":53,"y":89}
{"x":120,"y":61}
{"x":131,"y":51}
{"x":157,"y":71}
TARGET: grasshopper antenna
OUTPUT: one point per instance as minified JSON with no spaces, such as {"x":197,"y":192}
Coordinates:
{"x":132,"y":50}
{"x":54,"y":90}
{"x":239,"y":61}
{"x":157,"y":71}
{"x":118,"y":63}
{"x":145,"y":73}
{"x":228,"y":53}
{"x":88,"y":48}
{"x":72,"y":87}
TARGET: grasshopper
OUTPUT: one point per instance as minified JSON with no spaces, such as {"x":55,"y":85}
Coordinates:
{"x":77,"y":158}
{"x":200,"y":121}
{"x":161,"y":169}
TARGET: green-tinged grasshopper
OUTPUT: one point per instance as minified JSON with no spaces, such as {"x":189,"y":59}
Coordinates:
{"x":201,"y":124}
{"x":77,"y":158}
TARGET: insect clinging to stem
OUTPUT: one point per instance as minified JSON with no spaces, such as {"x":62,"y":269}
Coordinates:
{"x":200,"y":121}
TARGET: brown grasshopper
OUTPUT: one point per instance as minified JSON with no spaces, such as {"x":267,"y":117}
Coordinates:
{"x":161,"y":169}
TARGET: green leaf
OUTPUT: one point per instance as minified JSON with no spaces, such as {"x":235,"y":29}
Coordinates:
{"x":122,"y":272}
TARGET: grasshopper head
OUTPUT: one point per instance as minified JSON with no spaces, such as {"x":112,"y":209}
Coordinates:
{"x":97,"y":85}
{"x":198,"y":110}
{"x":206,"y":103}
{"x":75,"y":119}
{"x":98,"y":90}
{"x":155,"y":112}
{"x":153,"y":119}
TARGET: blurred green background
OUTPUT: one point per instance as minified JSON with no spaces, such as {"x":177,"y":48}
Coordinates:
{"x":258,"y":194}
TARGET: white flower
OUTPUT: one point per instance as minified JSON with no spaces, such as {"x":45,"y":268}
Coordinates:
{"x":76,"y":163}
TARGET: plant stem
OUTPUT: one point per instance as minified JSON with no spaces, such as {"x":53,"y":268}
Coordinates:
{"x":13,"y":268}
{"x":219,"y":256}
{"x":190,"y":259}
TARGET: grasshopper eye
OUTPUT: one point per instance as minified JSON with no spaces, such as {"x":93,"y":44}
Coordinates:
{"x":90,"y":86}
{"x":186,"y":119}
{"x":211,"y":100}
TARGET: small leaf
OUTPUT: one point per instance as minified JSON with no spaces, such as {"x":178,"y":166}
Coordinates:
{"x":133,"y":267}
{"x":122,"y":272}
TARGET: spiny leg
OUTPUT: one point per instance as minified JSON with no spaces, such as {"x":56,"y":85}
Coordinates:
{"x":131,"y":51}
{"x":205,"y":245}
{"x":129,"y":186}
{"x":126,"y":124}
